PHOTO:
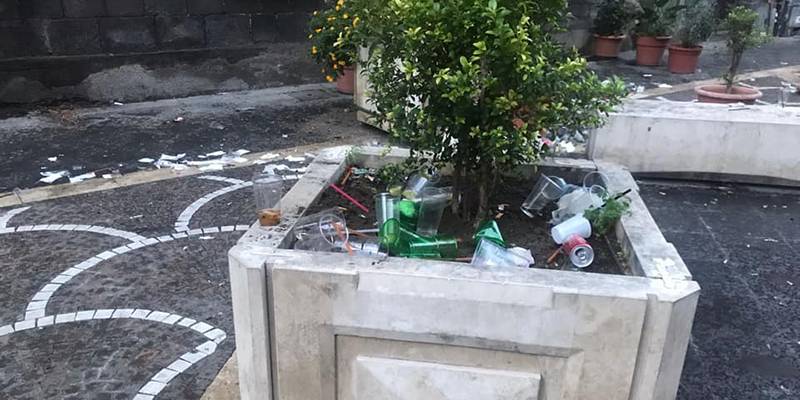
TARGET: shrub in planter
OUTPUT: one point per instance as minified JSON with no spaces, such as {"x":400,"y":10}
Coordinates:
{"x":695,"y":24}
{"x":474,"y":84}
{"x":742,"y":35}
{"x":332,"y":43}
{"x":614,"y":18}
{"x":653,"y":30}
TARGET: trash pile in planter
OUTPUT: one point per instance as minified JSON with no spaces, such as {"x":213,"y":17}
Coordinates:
{"x":408,"y":218}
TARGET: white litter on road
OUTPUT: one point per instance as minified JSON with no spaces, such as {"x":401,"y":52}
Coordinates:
{"x":146,"y":160}
{"x":82,"y":177}
{"x":294,"y":159}
{"x":241,"y":152}
{"x":168,"y":157}
{"x":215,"y":153}
{"x":50,"y":177}
{"x":269,"y":156}
{"x":52,"y":159}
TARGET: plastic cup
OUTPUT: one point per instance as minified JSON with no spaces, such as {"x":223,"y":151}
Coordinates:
{"x":433,"y":201}
{"x":546,"y":190}
{"x":323,"y":231}
{"x":595,"y":178}
{"x":489,"y":254}
{"x":400,"y":241}
{"x":268,"y":190}
{"x":438,"y":247}
{"x":364,"y":247}
{"x":417,"y":182}
{"x":577,"y":225}
{"x":384,"y":207}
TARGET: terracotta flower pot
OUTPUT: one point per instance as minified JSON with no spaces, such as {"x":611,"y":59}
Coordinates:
{"x":345,"y":81}
{"x":650,"y":49}
{"x":683,"y":60}
{"x":607,"y":46}
{"x":719,"y":94}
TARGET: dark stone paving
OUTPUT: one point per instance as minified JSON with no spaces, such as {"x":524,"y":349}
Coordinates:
{"x":740,"y":243}
{"x":113,"y":359}
{"x":743,"y":247}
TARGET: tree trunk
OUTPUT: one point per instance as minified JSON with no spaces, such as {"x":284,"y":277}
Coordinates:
{"x":730,"y":78}
{"x":484,"y":188}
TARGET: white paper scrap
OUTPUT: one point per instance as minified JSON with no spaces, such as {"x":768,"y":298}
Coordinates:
{"x":52,"y":159}
{"x":294,"y":159}
{"x":215,"y":153}
{"x":146,"y":160}
{"x":241,"y":152}
{"x":50,"y":177}
{"x":269,"y":156}
{"x":212,"y":167}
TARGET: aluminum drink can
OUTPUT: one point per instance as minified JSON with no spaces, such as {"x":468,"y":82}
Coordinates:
{"x":580,"y":252}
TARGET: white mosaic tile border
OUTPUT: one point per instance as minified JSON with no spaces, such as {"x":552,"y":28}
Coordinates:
{"x":159,"y":381}
{"x":36,"y":307}
{"x":10,"y":214}
{"x":5,"y":229}
{"x":182,"y":224}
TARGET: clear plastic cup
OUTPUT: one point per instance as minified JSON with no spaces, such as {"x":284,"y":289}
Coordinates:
{"x":384,"y":207}
{"x":490,"y":254}
{"x":433,"y":201}
{"x":595,"y":178}
{"x":417,"y":182}
{"x":268,"y":190}
{"x":323,"y":231}
{"x":546,"y":190}
{"x":577,"y":225}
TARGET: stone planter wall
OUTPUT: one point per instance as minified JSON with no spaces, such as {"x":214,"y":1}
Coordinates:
{"x":710,"y":141}
{"x":329,"y":326}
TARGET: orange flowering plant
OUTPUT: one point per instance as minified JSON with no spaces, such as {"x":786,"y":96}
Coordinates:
{"x":331,"y":35}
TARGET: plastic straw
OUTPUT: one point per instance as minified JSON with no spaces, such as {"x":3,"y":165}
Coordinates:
{"x":349,"y":198}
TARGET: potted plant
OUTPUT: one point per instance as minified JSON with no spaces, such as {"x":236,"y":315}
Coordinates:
{"x":332,"y":44}
{"x":742,"y":35}
{"x":614,"y":18}
{"x":695,"y":26}
{"x":474,"y":85}
{"x":653,"y":30}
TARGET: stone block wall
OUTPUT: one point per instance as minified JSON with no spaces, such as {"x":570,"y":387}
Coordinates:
{"x":41,"y":28}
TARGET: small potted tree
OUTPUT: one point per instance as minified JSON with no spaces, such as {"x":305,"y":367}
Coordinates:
{"x":695,"y":26}
{"x":653,"y":30}
{"x":614,"y":18}
{"x":742,"y":35}
{"x":474,"y":85}
{"x":332,"y":44}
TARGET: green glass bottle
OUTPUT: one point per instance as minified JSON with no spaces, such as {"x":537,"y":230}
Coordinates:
{"x":407,"y":212}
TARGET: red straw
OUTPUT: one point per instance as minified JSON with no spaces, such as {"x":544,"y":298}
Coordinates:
{"x":349,"y":198}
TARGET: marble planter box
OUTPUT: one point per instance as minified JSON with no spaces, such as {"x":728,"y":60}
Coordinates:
{"x":329,"y":326}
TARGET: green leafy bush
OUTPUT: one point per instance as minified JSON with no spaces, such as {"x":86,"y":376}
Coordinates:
{"x":742,"y":35}
{"x":616,"y":17}
{"x":332,"y":40}
{"x":604,"y":218}
{"x":696,"y":23}
{"x":658,"y":18}
{"x":475,"y":84}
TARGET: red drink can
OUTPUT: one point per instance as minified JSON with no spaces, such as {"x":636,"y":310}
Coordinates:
{"x":579,"y":250}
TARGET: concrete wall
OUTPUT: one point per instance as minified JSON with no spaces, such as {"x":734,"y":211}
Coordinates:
{"x":330,"y":326}
{"x":754,"y":144}
{"x":46,"y":44}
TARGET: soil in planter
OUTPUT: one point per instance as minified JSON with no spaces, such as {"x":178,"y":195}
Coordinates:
{"x":517,"y":228}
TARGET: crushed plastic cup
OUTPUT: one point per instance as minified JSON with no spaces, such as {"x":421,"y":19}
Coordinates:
{"x":323,"y":231}
{"x":365,"y":247}
{"x":577,"y":202}
{"x":577,"y":225}
{"x":490,"y":254}
{"x":384,"y":207}
{"x":268,"y":190}
{"x":433,"y":201}
{"x":546,"y":190}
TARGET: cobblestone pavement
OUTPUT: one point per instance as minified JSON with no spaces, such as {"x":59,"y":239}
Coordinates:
{"x":123,"y":294}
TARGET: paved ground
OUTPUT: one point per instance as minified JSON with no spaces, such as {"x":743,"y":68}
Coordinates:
{"x":742,"y":245}
{"x":108,"y":299}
